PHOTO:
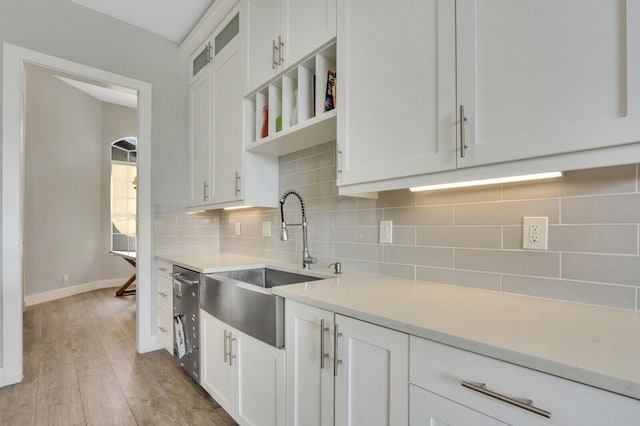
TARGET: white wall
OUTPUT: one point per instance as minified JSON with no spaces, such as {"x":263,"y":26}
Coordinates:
{"x":69,"y":31}
{"x":68,"y":135}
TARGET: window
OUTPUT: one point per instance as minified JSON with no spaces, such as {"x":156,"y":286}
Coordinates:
{"x":123,"y":194}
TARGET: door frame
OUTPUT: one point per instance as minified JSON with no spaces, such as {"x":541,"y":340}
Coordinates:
{"x":13,"y":88}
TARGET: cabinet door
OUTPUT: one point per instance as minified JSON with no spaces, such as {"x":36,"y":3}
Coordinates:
{"x":227,"y":127}
{"x":372,"y":381}
{"x":215,"y":370}
{"x":309,"y":381}
{"x":396,"y":97}
{"x":261,"y":26}
{"x":429,"y":409}
{"x":539,"y":78}
{"x":200,"y":139}
{"x":305,"y":26}
{"x":260,"y":377}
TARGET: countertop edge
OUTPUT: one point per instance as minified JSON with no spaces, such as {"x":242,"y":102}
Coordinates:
{"x":225,"y":262}
{"x":595,"y":379}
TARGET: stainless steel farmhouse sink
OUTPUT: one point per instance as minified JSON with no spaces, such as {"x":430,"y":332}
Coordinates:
{"x":243,"y":299}
{"x":267,"y":277}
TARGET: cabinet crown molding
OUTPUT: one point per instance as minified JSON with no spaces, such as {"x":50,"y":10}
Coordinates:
{"x":213,"y":17}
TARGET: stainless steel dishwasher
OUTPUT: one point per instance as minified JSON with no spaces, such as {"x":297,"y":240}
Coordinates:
{"x":186,"y":320}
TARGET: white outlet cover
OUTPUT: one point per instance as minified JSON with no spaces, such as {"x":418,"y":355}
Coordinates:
{"x":386,"y":231}
{"x":535,"y":233}
{"x":266,"y":229}
{"x":237,"y":228}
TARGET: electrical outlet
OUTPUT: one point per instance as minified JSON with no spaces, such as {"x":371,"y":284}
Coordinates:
{"x":237,"y":228}
{"x":535,"y":232}
{"x":266,"y":229}
{"x":386,"y":231}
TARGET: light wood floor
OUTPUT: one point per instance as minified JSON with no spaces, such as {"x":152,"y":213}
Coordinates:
{"x":81,"y":367}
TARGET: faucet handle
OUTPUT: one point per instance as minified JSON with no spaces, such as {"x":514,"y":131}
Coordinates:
{"x":337,"y":267}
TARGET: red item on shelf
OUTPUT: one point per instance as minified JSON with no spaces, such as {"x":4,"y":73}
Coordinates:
{"x":265,"y":125}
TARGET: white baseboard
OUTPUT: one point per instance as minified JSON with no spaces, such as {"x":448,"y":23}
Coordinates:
{"x":59,"y":293}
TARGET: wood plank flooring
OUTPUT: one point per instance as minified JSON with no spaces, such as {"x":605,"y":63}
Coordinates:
{"x":81,"y":368}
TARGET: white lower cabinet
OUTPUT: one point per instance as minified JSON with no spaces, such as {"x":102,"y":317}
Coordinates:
{"x":438,"y":397}
{"x":429,"y":409}
{"x":244,"y":375}
{"x":343,"y":371}
{"x":164,"y":303}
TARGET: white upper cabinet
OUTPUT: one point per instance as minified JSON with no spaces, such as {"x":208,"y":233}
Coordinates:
{"x":262,"y":26}
{"x":199,"y":142}
{"x":396,"y":88}
{"x":227,"y":124}
{"x":278,"y":33}
{"x":541,"y":78}
{"x":221,"y":173}
{"x":540,"y":84}
{"x":305,"y":25}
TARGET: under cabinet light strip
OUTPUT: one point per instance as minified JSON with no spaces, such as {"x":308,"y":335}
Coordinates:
{"x":493,"y":181}
{"x":238,"y":207}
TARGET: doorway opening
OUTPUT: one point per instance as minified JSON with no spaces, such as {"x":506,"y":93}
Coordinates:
{"x":13,"y":199}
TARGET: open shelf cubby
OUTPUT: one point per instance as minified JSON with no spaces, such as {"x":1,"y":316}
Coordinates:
{"x":296,"y":118}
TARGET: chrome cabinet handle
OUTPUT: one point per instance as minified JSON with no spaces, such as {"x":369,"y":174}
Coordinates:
{"x":205,"y":190}
{"x":162,"y":329}
{"x":323,"y":355}
{"x":339,"y":169}
{"x":237,"y":183}
{"x":162,"y":293}
{"x":274,"y":61}
{"x":231,"y":355}
{"x":162,"y":269}
{"x":525,"y":404}
{"x":463,"y":144}
{"x":280,"y":49}
{"x":226,"y":350}
{"x":336,"y":361}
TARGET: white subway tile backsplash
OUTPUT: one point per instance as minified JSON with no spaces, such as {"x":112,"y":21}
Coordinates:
{"x":623,"y":208}
{"x":459,"y":196}
{"x":575,"y":291}
{"x":505,"y":212}
{"x":475,"y":279}
{"x":460,"y":236}
{"x":535,"y":263}
{"x":470,"y":237}
{"x":605,"y":180}
{"x":420,"y":216}
{"x":426,"y":256}
{"x":612,"y":239}
{"x":602,"y":268}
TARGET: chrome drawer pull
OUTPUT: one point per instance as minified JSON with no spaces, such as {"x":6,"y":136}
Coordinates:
{"x":525,"y":404}
{"x":225,"y":350}
{"x":162,"y":293}
{"x":336,"y":361}
{"x":463,"y":144}
{"x":323,"y":355}
{"x":162,"y":329}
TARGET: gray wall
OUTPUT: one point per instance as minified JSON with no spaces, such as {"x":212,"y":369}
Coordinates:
{"x":67,"y":207}
{"x":468,"y":237}
{"x":67,"y":30}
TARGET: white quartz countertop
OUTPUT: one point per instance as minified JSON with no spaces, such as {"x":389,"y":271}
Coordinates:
{"x":593,"y":345}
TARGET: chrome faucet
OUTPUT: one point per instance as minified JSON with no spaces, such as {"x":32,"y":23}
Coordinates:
{"x":284,"y":233}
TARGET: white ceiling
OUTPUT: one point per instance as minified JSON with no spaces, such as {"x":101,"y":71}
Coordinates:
{"x":104,"y":94}
{"x":172,"y":19}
